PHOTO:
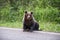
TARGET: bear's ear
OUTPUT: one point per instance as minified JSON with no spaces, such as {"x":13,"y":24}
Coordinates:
{"x":31,"y":12}
{"x":25,"y":11}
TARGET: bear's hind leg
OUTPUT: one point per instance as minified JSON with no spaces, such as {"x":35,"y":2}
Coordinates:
{"x":36,"y":26}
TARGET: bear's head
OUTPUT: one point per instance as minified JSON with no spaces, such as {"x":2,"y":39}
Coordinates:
{"x":28,"y":15}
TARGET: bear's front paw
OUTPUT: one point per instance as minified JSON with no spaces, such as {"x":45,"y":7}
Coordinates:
{"x":24,"y":30}
{"x":31,"y":30}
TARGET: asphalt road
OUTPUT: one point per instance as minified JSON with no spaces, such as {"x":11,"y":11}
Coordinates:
{"x":18,"y":34}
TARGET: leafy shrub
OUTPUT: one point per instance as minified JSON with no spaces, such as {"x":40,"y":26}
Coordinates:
{"x":48,"y":14}
{"x":43,"y":11}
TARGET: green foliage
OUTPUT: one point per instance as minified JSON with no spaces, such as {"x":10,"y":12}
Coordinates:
{"x":47,"y":14}
{"x":11,"y":24}
{"x":43,"y":11}
{"x":4,"y":12}
{"x":50,"y":26}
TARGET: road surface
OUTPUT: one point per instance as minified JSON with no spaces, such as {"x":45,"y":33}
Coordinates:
{"x":18,"y":34}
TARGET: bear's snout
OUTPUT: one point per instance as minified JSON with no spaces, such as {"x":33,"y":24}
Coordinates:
{"x":28,"y":17}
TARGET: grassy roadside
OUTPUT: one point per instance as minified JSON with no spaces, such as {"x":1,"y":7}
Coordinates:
{"x":11,"y":24}
{"x":50,"y":26}
{"x":45,"y":26}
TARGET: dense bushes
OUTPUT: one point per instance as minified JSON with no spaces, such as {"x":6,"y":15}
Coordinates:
{"x":8,"y":14}
{"x":44,"y":10}
{"x":48,"y":14}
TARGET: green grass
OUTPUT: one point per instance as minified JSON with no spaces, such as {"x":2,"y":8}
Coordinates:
{"x":50,"y":26}
{"x":11,"y":24}
{"x":45,"y":26}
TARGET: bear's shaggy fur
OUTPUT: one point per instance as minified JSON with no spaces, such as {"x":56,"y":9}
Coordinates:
{"x":29,"y":23}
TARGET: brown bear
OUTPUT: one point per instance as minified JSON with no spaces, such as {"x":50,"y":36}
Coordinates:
{"x":29,"y":23}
